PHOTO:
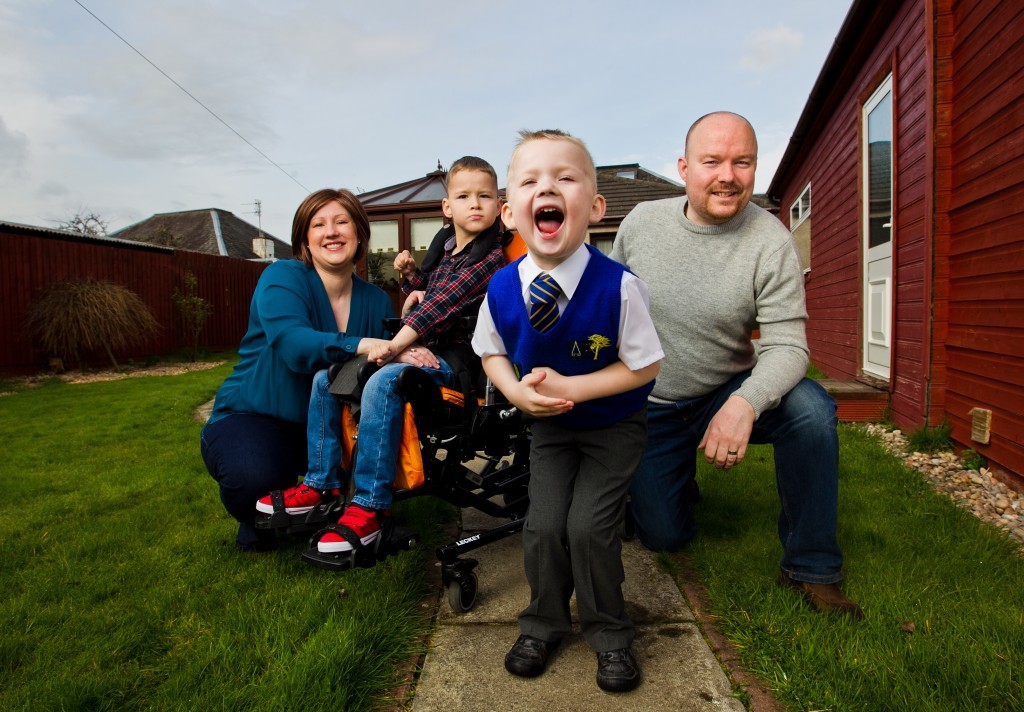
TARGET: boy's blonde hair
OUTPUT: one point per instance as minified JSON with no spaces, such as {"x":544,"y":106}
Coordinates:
{"x":525,"y":136}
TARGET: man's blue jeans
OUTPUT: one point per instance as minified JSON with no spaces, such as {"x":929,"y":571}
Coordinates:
{"x":380,"y":430}
{"x":802,"y":430}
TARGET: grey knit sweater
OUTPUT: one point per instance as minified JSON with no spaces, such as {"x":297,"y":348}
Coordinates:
{"x":710,"y":287}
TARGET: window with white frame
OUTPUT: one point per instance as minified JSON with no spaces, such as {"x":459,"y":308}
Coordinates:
{"x":800,"y":226}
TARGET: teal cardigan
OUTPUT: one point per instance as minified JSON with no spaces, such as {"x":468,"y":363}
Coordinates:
{"x":293,"y":334}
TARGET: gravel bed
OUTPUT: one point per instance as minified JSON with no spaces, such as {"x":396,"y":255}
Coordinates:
{"x":977,"y":491}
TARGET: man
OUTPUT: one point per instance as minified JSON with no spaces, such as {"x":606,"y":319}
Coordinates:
{"x":718,"y":267}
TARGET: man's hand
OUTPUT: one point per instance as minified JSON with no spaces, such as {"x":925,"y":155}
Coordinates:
{"x":405,"y":264}
{"x":725,"y":441}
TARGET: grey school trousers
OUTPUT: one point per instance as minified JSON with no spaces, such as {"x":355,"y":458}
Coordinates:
{"x":578,"y":485}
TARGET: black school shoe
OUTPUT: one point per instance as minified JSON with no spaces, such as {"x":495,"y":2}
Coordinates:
{"x":617,"y":671}
{"x":529,"y":656}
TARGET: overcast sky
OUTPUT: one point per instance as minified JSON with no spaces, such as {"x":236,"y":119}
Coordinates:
{"x":364,"y":95}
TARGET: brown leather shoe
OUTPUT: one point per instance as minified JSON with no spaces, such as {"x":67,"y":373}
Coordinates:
{"x":824,"y":597}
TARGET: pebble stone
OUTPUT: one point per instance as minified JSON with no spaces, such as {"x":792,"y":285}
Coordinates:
{"x":977,"y":491}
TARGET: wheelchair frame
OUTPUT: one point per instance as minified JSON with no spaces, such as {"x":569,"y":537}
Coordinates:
{"x":490,"y":435}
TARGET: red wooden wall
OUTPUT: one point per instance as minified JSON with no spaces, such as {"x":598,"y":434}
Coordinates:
{"x":831,"y":163}
{"x":985,"y":346}
{"x":30,"y":261}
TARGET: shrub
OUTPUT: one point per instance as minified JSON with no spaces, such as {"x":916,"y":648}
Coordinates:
{"x":931,"y":438}
{"x":376,"y":263}
{"x":972,"y":459}
{"x":85,"y":315}
{"x":194,"y":311}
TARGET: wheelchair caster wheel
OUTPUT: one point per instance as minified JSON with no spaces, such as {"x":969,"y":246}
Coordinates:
{"x":462,"y":594}
{"x":411,"y":541}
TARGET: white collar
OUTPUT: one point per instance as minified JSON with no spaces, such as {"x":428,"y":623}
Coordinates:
{"x":568,"y":273}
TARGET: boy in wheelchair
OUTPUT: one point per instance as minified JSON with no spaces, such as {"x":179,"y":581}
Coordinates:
{"x":453,"y":279}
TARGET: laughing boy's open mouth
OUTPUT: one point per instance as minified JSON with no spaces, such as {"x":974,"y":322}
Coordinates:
{"x":548,"y":220}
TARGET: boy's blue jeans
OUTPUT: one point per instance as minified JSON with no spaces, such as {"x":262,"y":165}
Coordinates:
{"x":802,"y":430}
{"x":380,"y":431}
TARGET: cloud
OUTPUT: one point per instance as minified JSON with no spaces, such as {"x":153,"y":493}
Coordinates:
{"x":51,"y":189}
{"x":13,"y":151}
{"x":770,"y":48}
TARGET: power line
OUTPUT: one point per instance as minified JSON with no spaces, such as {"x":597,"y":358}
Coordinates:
{"x":193,"y":98}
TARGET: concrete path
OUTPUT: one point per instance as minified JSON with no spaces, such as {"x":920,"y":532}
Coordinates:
{"x":464,"y":670}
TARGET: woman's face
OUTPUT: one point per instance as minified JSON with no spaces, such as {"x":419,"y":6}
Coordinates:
{"x":332,"y":238}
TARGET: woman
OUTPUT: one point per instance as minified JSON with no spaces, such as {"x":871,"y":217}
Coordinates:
{"x":305,"y":314}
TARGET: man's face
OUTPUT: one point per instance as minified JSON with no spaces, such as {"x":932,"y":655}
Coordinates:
{"x":718,"y":169}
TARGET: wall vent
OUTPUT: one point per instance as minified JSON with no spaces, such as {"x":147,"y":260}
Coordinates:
{"x":981,"y":425}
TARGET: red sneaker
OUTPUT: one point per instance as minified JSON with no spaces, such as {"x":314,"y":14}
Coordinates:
{"x":364,"y":523}
{"x":298,"y":499}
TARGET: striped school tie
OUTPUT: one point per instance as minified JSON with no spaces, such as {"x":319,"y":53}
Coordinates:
{"x":544,"y":291}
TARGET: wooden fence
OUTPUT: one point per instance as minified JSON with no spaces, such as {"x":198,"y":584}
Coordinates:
{"x":32,"y":259}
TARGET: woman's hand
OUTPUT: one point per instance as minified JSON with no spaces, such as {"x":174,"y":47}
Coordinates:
{"x":419,"y":356}
{"x":367,"y":343}
{"x":380,"y":353}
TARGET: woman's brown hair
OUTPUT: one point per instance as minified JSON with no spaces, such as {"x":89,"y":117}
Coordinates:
{"x":312,"y":205}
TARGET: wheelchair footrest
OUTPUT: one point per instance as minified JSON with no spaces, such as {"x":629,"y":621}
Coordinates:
{"x":316,"y":518}
{"x":393,"y":540}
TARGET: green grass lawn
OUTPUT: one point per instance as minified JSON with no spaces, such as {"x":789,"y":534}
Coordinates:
{"x":122,"y":587}
{"x":911,"y":557}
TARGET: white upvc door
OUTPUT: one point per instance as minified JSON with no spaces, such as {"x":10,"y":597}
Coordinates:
{"x":878,"y":227}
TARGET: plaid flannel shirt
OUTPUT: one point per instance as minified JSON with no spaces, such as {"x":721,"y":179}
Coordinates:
{"x":453,"y":289}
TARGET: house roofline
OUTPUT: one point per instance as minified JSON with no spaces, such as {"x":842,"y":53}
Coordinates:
{"x":862,"y":15}
{"x":19,"y":228}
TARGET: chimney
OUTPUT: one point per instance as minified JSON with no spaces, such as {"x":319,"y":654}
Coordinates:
{"x":261,"y":247}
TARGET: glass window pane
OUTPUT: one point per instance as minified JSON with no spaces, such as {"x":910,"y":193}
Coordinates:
{"x":384,"y":236}
{"x":423,"y":231}
{"x":880,"y":172}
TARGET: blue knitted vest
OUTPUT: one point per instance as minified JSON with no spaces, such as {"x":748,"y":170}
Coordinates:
{"x":583,"y":341}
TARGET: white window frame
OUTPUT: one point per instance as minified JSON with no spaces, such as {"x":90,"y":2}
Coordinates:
{"x":797,"y":209}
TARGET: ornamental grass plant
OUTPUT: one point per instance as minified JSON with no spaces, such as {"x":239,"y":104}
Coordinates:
{"x":75,"y":317}
{"x":123,"y":588}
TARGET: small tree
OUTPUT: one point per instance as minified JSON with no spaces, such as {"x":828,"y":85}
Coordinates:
{"x":194,"y":311}
{"x":79,"y":315}
{"x":85,"y":224}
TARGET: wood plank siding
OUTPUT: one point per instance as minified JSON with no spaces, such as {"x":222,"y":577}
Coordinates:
{"x":831,"y":163}
{"x":32,"y":260}
{"x":958,"y":235}
{"x":985,"y":113}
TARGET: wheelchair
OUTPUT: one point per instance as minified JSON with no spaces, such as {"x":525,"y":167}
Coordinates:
{"x":475,"y":450}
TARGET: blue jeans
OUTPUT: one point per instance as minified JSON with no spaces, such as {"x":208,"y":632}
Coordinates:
{"x":249,"y":455}
{"x":802,"y":430}
{"x":380,"y":430}
{"x":323,"y":435}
